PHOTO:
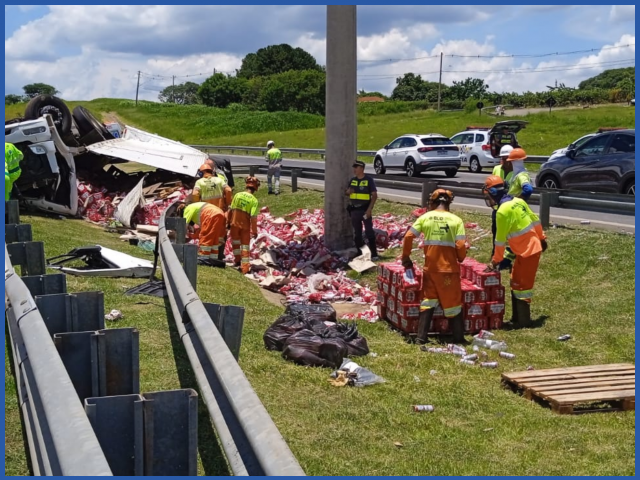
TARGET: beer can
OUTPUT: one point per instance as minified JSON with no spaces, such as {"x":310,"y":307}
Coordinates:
{"x":422,"y":408}
{"x":464,"y":361}
{"x":564,"y":338}
{"x":508,"y":356}
{"x":473,"y":356}
{"x":489,"y":364}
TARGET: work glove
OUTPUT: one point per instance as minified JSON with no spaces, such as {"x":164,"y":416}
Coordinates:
{"x":491,"y":267}
{"x":407,"y":263}
{"x":544,"y":245}
{"x":505,"y":264}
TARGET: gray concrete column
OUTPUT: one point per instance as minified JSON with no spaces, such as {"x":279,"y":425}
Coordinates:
{"x":341,"y":122}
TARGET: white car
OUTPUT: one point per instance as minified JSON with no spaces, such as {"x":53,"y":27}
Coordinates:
{"x":419,"y":153}
{"x":480,"y":146}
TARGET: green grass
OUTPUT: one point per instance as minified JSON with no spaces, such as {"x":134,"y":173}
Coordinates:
{"x":585,"y":288}
{"x":203,"y":125}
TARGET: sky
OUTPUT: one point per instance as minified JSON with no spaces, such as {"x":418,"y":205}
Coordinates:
{"x":94,"y":51}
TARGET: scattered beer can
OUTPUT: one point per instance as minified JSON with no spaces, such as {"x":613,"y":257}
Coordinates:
{"x":564,"y":338}
{"x":423,"y":408}
{"x":467,"y":362}
{"x":489,"y":364}
{"x":436,"y":350}
{"x":473,"y":356}
{"x":508,"y":356}
{"x":585,"y":222}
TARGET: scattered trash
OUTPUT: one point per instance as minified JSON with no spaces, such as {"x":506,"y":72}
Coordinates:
{"x":476,"y":348}
{"x":585,"y":222}
{"x":564,"y":338}
{"x":356,"y":375}
{"x":416,"y":379}
{"x":373,"y":354}
{"x":489,"y":364}
{"x":487,"y":430}
{"x":464,"y":361}
{"x":483,"y":334}
{"x":433,"y":372}
{"x":422,"y":408}
{"x":473,"y":356}
{"x":114,"y":316}
{"x":508,"y":356}
{"x":398,"y":444}
{"x":102,"y":262}
{"x":369,"y":316}
{"x":530,"y":368}
{"x":363,"y":262}
{"x":604,"y":257}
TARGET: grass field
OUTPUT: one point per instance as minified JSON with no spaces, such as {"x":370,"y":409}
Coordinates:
{"x":203,"y":125}
{"x":585,"y":288}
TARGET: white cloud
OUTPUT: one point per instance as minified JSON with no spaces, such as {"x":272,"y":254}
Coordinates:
{"x":26,"y":8}
{"x":623,"y":13}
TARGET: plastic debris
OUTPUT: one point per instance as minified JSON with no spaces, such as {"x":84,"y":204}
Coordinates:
{"x":564,"y":338}
{"x":423,"y":408}
{"x":356,"y":375}
{"x":114,"y":316}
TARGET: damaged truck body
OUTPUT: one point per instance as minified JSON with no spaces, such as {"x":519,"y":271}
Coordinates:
{"x":61,"y":148}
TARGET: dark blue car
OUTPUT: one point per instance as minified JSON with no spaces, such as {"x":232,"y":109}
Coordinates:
{"x":605,"y":163}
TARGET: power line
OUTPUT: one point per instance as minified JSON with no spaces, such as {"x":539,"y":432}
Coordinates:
{"x":541,"y":55}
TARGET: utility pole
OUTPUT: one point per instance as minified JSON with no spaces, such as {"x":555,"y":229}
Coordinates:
{"x":341,"y":123}
{"x":440,"y":84}
{"x":173,"y":89}
{"x":137,"y":88}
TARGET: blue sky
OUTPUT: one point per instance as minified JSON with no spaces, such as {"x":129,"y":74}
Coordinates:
{"x":95,"y":51}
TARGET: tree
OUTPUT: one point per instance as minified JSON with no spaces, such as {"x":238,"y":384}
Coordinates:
{"x":364,"y":93}
{"x":183,"y":94}
{"x":608,"y":79}
{"x":468,"y":88}
{"x":411,"y":88}
{"x":12,"y":99}
{"x":219,"y":90}
{"x":34,"y":89}
{"x":276,"y":59}
{"x":301,"y":91}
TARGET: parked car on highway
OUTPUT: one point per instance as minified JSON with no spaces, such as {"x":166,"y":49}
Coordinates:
{"x":480,"y":146}
{"x":603,"y":163}
{"x":419,"y":153}
{"x":561,"y":151}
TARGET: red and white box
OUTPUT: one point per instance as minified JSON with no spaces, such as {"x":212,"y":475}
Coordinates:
{"x":475,"y":309}
{"x":392,"y":269}
{"x":408,"y":325}
{"x":475,"y":324}
{"x":487,"y":279}
{"x":496,"y":322}
{"x":482,"y":296}
{"x":497,"y":294}
{"x":408,"y":296}
{"x":391,"y":305}
{"x":382,"y":312}
{"x":408,"y":310}
{"x":385,"y":288}
{"x":394,"y":319}
{"x":403,"y":284}
{"x":495,"y":308}
{"x":393,"y":291}
{"x":440,"y":325}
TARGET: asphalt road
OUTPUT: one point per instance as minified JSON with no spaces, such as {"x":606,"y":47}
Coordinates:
{"x":560,"y":216}
{"x":463,"y":174}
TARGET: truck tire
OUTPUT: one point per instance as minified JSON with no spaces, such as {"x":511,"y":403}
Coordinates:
{"x":87,"y":124}
{"x":54,"y":106}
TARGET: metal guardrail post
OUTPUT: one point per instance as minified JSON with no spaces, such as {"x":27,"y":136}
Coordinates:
{"x":40,"y":285}
{"x":188,"y":256}
{"x":29,"y":256}
{"x":13,"y":212}
{"x":17,"y":233}
{"x":427,"y":189}
{"x":253,"y":170}
{"x":178,"y":225}
{"x":229,"y":321}
{"x":545,"y":209}
{"x":295,"y":172}
{"x":78,"y":312}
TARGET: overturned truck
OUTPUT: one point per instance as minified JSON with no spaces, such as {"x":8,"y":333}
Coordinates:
{"x":61,"y":148}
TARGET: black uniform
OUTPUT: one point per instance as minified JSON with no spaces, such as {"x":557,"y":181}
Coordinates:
{"x":359,"y":203}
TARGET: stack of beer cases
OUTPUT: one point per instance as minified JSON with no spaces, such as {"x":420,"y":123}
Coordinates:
{"x":482,"y":299}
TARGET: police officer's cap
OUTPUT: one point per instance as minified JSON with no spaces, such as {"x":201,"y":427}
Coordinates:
{"x":358,"y":163}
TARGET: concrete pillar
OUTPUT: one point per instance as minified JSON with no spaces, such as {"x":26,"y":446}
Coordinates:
{"x":341,"y":122}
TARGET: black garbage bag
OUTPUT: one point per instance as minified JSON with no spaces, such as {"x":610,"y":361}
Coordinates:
{"x":285,"y":326}
{"x":322,"y":312}
{"x":356,"y":343}
{"x":358,"y":347}
{"x":307,"y":348}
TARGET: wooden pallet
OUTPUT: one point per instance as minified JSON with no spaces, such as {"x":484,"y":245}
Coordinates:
{"x":566,"y":388}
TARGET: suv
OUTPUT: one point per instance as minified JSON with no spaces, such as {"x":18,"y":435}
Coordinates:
{"x":604,"y":163}
{"x":480,"y":146}
{"x":419,"y":153}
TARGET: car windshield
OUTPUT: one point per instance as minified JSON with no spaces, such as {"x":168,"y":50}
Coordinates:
{"x":582,"y":140}
{"x":435,"y":141}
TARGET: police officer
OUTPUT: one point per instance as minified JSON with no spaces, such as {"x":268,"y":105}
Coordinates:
{"x":362,"y":193}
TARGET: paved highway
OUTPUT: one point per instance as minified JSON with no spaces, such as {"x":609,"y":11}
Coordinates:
{"x":463,"y":174}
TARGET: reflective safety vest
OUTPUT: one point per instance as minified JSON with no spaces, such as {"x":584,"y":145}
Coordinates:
{"x":8,"y":186}
{"x":211,"y":188}
{"x":274,"y":157}
{"x":192,"y":212}
{"x":498,"y":171}
{"x":444,"y":241}
{"x":245,"y":202}
{"x":515,"y":183}
{"x":362,"y":189}
{"x":12,"y":158}
{"x":517,"y":224}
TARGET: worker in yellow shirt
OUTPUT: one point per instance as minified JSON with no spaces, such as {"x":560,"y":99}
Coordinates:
{"x":518,"y":226}
{"x":243,"y":222}
{"x":444,"y":250}
{"x":498,"y":170}
{"x":12,"y":170}
{"x":518,"y":179}
{"x":212,"y":222}
{"x":212,"y":189}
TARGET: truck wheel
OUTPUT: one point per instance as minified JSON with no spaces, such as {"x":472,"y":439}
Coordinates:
{"x":48,"y":104}
{"x":87,"y":123}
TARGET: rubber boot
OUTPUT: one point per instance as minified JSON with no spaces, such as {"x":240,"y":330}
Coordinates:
{"x":515,"y":320}
{"x":457,"y":328}
{"x":424,"y":325}
{"x":524,"y":313}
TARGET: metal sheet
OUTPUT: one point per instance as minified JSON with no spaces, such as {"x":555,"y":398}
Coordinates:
{"x":152,"y":150}
{"x":133,"y":200}
{"x":46,"y":284}
{"x":79,"y":312}
{"x":124,"y":266}
{"x":17,"y":233}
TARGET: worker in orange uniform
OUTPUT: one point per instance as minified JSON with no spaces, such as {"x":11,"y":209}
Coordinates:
{"x":212,"y":189}
{"x":243,"y":222}
{"x":521,"y":228}
{"x":444,"y":250}
{"x":212,"y":222}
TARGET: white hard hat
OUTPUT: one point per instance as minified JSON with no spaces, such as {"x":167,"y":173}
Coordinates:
{"x":506,"y":150}
{"x":270,"y":142}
